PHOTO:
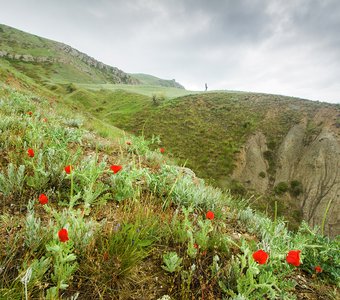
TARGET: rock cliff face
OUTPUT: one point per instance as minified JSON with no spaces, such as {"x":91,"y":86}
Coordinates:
{"x":318,"y":170}
{"x":252,"y":163}
{"x":314,"y":162}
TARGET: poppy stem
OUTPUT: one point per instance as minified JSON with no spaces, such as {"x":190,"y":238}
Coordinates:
{"x":71,"y":192}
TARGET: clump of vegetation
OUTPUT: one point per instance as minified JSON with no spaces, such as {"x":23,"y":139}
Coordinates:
{"x":157,"y":99}
{"x":70,"y":88}
{"x":262,"y":174}
{"x":281,"y":188}
{"x":295,"y":188}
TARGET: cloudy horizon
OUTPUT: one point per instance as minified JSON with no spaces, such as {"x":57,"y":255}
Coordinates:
{"x":282,"y":47}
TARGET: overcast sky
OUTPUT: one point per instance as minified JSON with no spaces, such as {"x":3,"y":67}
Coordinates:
{"x":289,"y":47}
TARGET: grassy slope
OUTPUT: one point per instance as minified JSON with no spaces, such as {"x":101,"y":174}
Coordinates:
{"x":147,"y":90}
{"x":205,"y":131}
{"x":116,"y":247}
{"x":18,"y":42}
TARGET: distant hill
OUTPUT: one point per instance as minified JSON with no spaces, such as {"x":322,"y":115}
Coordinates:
{"x":47,"y":60}
{"x":152,"y":80}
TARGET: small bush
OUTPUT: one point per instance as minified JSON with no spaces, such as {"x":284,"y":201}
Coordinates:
{"x":295,"y":188}
{"x":281,"y":188}
{"x":262,"y":174}
{"x":70,"y":88}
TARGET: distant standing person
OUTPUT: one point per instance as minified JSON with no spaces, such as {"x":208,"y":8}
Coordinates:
{"x":206,"y":87}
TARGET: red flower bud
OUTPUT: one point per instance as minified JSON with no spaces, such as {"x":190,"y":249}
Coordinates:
{"x":196,"y":246}
{"x":68,"y":169}
{"x":162,"y":150}
{"x":63,"y":235}
{"x":43,"y":199}
{"x":293,"y":257}
{"x":30,"y":152}
{"x":260,"y":257}
{"x":210,"y":215}
{"x":318,"y":269}
{"x":115,"y":168}
{"x":128,"y":143}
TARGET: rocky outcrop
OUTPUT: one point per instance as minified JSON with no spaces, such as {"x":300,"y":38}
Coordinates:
{"x":319,"y":172}
{"x":118,"y":74}
{"x":72,"y":57}
{"x":289,"y":153}
{"x":315,"y":165}
{"x":251,"y":164}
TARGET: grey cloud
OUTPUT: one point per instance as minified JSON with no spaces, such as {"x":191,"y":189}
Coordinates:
{"x":279,"y":46}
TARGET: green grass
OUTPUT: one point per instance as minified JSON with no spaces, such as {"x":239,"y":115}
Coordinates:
{"x":147,"y":90}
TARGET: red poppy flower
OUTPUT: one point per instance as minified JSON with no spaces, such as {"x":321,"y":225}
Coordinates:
{"x":68,"y":169}
{"x":162,"y":150}
{"x":196,"y":246}
{"x":293,"y":257}
{"x":29,"y":113}
{"x":30,"y":152}
{"x":318,"y":269}
{"x":260,"y":256}
{"x":210,"y":215}
{"x":116,"y":168}
{"x":63,"y":235}
{"x":128,"y":143}
{"x":43,"y":199}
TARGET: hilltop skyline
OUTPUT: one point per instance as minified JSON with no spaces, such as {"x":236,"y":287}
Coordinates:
{"x":282,"y":47}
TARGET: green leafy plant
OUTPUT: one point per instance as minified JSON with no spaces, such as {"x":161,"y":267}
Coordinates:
{"x":64,"y":266}
{"x":172,"y":262}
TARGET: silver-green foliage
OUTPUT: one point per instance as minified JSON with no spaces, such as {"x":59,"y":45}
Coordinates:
{"x":172,"y":262}
{"x":13,"y":182}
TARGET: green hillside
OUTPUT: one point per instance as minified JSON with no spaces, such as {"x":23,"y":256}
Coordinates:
{"x":149,"y":230}
{"x":49,"y":61}
{"x":90,"y":211}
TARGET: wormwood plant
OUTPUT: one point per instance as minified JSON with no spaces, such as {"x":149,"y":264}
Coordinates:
{"x":128,"y":183}
{"x":172,"y":262}
{"x":12,"y":183}
{"x":86,"y":184}
{"x":35,"y":233}
{"x":33,"y":274}
{"x":183,"y":190}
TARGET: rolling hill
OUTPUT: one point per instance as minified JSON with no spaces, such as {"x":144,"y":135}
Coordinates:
{"x":90,"y":211}
{"x":269,"y":146}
